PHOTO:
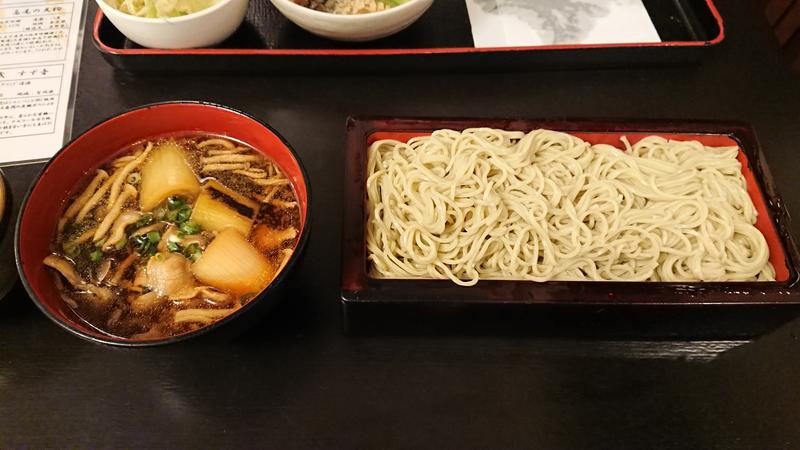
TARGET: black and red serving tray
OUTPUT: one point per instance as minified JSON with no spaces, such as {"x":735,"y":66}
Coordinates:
{"x":440,"y":40}
{"x":359,"y":289}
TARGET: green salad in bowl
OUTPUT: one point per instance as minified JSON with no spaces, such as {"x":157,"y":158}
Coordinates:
{"x":160,"y":8}
{"x":173,"y":24}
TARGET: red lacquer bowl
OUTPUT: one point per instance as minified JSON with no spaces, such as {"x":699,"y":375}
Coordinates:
{"x":44,"y":202}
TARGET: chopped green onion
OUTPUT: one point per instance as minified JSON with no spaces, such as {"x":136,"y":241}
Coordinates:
{"x":193,"y":252}
{"x":121,"y":244}
{"x":71,"y":250}
{"x":134,"y":178}
{"x":96,"y":255}
{"x":143,"y":245}
{"x":146,"y":219}
{"x":183,"y":214}
{"x":189,"y":227}
{"x":174,"y":203}
{"x":154,"y":237}
{"x":173,"y":247}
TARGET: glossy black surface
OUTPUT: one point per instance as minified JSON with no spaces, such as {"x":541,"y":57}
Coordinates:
{"x":8,"y":273}
{"x":554,"y":380}
{"x":445,"y":26}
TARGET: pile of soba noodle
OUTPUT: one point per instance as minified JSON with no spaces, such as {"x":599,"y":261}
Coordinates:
{"x":493,"y":204}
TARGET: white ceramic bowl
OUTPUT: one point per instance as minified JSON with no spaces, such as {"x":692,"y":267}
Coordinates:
{"x":355,"y":27}
{"x":201,"y":29}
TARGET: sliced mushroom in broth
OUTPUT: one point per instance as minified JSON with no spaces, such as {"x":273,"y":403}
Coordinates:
{"x":172,"y":235}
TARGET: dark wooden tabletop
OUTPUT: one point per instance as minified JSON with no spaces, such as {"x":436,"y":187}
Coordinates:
{"x":657,"y":379}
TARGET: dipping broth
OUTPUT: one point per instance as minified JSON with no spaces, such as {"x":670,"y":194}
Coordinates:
{"x":173,"y":235}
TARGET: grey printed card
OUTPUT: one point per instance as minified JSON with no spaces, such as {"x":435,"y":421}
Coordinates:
{"x":509,"y":23}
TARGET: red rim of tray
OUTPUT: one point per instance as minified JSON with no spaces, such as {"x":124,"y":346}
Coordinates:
{"x":103,"y":47}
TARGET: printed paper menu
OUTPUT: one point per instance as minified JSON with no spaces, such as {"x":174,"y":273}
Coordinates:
{"x":39,"y":42}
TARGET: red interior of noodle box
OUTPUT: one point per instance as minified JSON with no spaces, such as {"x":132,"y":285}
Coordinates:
{"x":772,"y":221}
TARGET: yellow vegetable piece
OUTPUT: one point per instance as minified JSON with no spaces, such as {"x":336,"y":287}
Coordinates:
{"x":218,"y":208}
{"x":231,"y":263}
{"x":167,"y":173}
{"x":267,"y":239}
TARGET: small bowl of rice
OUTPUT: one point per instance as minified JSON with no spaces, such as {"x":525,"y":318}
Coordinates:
{"x":353,"y":20}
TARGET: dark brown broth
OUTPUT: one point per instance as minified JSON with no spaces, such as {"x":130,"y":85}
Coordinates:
{"x":117,"y":317}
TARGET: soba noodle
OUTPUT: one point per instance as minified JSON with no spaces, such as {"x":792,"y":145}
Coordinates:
{"x":493,"y":204}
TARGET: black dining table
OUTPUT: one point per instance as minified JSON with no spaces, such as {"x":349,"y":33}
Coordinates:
{"x":658,"y":377}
